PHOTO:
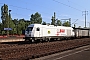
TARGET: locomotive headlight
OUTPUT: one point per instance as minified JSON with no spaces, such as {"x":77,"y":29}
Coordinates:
{"x":30,"y":35}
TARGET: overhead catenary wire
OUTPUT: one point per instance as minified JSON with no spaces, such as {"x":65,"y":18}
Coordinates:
{"x":22,"y":8}
{"x":58,"y":2}
{"x":73,"y":8}
{"x":67,"y":5}
{"x":19,"y":8}
{"x":45,"y":7}
{"x":76,"y":4}
{"x":31,"y":9}
{"x":39,"y":5}
{"x":35,"y":4}
{"x":74,"y":21}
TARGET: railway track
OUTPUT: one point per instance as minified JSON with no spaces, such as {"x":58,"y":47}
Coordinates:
{"x":31,"y":51}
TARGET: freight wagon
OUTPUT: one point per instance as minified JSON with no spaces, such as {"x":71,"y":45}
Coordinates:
{"x":38,"y":32}
{"x":82,"y":32}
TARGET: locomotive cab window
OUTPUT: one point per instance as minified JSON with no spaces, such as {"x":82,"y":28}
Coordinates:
{"x":29,"y":29}
{"x":38,"y":29}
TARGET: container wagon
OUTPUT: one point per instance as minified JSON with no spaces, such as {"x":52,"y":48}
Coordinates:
{"x":82,"y":32}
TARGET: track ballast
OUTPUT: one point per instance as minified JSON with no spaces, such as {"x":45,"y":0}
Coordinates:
{"x":31,"y":51}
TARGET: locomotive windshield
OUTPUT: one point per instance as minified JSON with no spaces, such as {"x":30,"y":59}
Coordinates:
{"x":29,"y":29}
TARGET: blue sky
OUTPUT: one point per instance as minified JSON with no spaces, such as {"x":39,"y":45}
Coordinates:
{"x":64,"y":9}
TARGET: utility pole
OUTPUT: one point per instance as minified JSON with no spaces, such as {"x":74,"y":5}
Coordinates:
{"x":86,"y":13}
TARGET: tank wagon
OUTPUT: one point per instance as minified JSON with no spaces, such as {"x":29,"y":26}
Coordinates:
{"x":81,"y":32}
{"x":36,"y":32}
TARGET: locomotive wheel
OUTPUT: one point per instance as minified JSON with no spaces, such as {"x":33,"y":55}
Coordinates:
{"x":26,"y":40}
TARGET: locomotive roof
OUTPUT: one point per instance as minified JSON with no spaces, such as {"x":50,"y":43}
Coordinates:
{"x":40,"y":25}
{"x":82,"y":28}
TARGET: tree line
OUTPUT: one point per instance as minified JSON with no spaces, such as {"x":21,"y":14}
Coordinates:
{"x":18,"y":26}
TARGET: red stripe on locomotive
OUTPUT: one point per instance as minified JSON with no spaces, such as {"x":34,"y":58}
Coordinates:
{"x":61,"y":31}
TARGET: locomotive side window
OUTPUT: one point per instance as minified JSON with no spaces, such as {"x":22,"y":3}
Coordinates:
{"x":38,"y":29}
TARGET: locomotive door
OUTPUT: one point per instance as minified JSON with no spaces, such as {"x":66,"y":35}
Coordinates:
{"x":38,"y":32}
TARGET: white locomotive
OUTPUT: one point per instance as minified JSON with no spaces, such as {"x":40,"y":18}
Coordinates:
{"x":39,"y":32}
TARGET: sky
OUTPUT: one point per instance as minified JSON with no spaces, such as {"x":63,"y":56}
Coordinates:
{"x":64,"y":9}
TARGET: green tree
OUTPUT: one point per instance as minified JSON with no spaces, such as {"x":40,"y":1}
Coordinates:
{"x":15,"y":21}
{"x":15,"y":29}
{"x":22,"y":23}
{"x":67,"y":23}
{"x":79,"y":26}
{"x":21,"y":26}
{"x":58,"y":22}
{"x":1,"y":29}
{"x":27,"y":22}
{"x":4,"y":16}
{"x":44,"y":23}
{"x":48,"y":23}
{"x":11,"y":25}
{"x":36,"y":18}
{"x":53,"y":21}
